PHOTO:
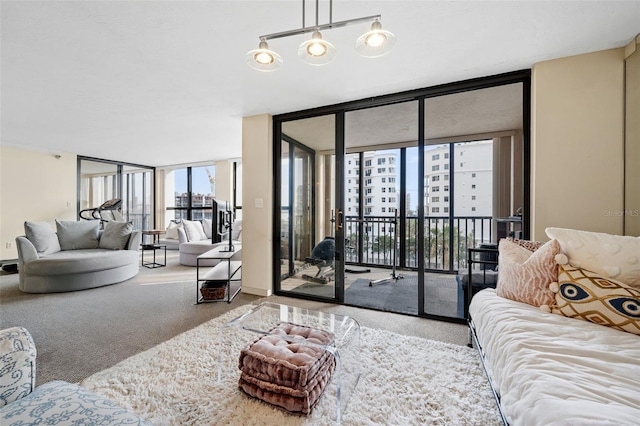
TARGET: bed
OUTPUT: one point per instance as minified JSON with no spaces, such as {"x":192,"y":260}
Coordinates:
{"x":557,"y":347}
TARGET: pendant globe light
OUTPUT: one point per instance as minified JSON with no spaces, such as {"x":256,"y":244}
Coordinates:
{"x":316,"y":51}
{"x":376,"y":42}
{"x":263,"y":59}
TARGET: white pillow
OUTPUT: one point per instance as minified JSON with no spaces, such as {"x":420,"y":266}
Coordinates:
{"x":78,"y":235}
{"x":172,"y":231}
{"x":115,"y":235}
{"x":614,"y":256}
{"x":42,"y":236}
{"x":194,"y":230}
{"x":207,"y":224}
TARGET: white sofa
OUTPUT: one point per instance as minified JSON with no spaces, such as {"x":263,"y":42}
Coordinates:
{"x":558,"y":364}
{"x":79,"y":256}
{"x":56,"y":402}
{"x":195,"y":238}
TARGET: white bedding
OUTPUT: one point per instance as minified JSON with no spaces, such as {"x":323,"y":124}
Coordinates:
{"x":553,"y":370}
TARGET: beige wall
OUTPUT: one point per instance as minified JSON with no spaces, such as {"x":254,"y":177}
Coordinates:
{"x":257,"y":205}
{"x":632,"y":139}
{"x":35,"y":186}
{"x":577,"y":141}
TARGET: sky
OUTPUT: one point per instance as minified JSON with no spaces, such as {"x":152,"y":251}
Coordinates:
{"x":199,"y":179}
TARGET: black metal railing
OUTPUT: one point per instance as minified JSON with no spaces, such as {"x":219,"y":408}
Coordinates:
{"x":370,"y":241}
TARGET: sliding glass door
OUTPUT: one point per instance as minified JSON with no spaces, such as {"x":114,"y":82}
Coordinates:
{"x":473,"y":177}
{"x":402,"y":186}
{"x":310,"y":222}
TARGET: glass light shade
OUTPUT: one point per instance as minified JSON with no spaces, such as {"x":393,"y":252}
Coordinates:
{"x":316,"y":51}
{"x":376,"y":42}
{"x":263,"y":59}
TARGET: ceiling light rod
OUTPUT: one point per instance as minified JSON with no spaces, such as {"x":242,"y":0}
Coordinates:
{"x":306,"y":30}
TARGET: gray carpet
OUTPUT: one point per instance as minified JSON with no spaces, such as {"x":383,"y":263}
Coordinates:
{"x":80,"y":333}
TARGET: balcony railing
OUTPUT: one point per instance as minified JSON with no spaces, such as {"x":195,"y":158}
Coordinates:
{"x":370,"y":241}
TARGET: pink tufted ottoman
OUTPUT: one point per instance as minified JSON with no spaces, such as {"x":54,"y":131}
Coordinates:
{"x":279,"y":370}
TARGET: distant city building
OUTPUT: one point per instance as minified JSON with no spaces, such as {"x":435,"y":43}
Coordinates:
{"x":197,"y":200}
{"x":380,"y":185}
{"x":473,"y":178}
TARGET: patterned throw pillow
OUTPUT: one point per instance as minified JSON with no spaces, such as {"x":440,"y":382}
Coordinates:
{"x":524,"y":275}
{"x":590,"y":297}
{"x":528,"y":244}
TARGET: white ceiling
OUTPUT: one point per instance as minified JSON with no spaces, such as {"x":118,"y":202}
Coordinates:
{"x":161,"y":83}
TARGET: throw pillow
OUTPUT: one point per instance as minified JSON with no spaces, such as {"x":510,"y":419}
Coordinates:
{"x":74,"y":235}
{"x":612,"y":256}
{"x":193,"y":229}
{"x":529,"y":245}
{"x":524,"y":275}
{"x":590,"y":297}
{"x":115,"y":235}
{"x":207,"y":225}
{"x":42,"y":236}
{"x":172,"y":230}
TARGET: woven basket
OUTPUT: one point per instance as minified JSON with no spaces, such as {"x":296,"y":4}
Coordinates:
{"x":213,"y":293}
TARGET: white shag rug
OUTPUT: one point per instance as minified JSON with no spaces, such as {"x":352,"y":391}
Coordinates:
{"x":404,"y":381}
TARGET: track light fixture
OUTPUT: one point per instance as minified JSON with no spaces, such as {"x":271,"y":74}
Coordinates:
{"x":317,"y":51}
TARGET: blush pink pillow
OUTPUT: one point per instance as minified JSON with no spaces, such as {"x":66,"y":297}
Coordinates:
{"x":525,"y":276}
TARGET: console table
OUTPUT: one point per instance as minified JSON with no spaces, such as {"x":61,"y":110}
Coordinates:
{"x":223,"y":278}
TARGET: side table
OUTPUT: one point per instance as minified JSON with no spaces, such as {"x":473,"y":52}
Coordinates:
{"x":155,"y":263}
{"x":153,"y":246}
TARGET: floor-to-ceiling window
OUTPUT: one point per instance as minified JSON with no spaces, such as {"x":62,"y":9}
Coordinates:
{"x":102,"y":180}
{"x":189,"y":193}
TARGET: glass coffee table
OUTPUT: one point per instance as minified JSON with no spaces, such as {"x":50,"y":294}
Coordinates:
{"x":263,"y":319}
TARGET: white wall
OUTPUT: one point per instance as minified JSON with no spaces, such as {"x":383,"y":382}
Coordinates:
{"x":577,"y":143}
{"x":35,"y":186}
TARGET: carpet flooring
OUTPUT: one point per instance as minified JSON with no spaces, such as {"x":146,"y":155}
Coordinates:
{"x":403,"y":380}
{"x":80,"y":333}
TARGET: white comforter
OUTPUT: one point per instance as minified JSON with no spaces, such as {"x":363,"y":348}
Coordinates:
{"x":553,"y":370}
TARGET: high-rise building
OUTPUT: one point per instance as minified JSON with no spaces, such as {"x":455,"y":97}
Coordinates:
{"x":473,"y":178}
{"x":380,"y":184}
